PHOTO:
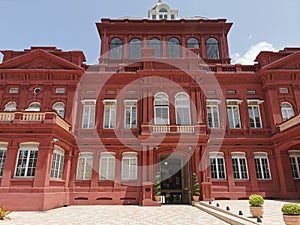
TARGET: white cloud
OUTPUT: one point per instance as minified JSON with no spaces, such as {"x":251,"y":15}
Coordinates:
{"x":251,"y":53}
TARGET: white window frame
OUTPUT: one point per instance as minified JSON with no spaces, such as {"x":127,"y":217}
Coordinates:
{"x":34,"y":107}
{"x":252,"y":104}
{"x":261,"y":174}
{"x":10,"y":107}
{"x":211,"y":106}
{"x":161,"y":101}
{"x":217,"y":156}
{"x":84,"y":166}
{"x":182,"y":102}
{"x":88,"y":113}
{"x":59,"y":107}
{"x":107,"y":166}
{"x":232,"y":105}
{"x":240,"y":157}
{"x":3,"y":153}
{"x":287,"y":112}
{"x":130,"y":105}
{"x":31,"y":148}
{"x":110,"y":113}
{"x":57,"y":164}
{"x":295,"y":167}
{"x":129,"y":166}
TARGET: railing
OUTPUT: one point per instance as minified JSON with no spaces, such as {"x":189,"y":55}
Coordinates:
{"x":289,"y":123}
{"x":199,"y":129}
{"x":37,"y":117}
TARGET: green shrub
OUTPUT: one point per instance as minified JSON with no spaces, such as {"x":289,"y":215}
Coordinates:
{"x":290,"y":209}
{"x":196,"y":186}
{"x":4,"y":211}
{"x":256,"y":200}
{"x":156,"y":188}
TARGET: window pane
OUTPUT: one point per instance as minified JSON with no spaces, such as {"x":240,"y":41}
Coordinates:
{"x":212,"y":49}
{"x":116,"y":49}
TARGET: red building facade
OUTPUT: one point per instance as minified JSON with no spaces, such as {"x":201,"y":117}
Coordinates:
{"x":163,"y":98}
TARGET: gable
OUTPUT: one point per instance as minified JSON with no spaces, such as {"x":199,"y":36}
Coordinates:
{"x":290,"y":62}
{"x":39,"y":59}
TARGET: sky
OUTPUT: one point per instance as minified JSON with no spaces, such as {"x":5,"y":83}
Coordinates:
{"x":70,"y":24}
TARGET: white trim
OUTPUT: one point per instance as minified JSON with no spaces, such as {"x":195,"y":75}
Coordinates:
{"x":88,"y":101}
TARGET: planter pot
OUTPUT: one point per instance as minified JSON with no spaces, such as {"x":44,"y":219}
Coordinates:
{"x":256,"y":211}
{"x":157,"y":198}
{"x":196,"y":198}
{"x":291,"y":219}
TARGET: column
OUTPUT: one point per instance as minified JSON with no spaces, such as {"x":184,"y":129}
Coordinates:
{"x":145,"y":165}
{"x":229,"y":171}
{"x":10,"y":163}
{"x":252,"y":171}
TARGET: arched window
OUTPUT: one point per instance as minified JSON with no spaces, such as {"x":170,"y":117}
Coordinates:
{"x":155,"y":44}
{"x":34,"y":106}
{"x":10,"y":107}
{"x":174,"y":48}
{"x":192,"y":43}
{"x":59,"y":107}
{"x":161,"y":109}
{"x":212,"y":49}
{"x":116,"y":49}
{"x":135,"y":49}
{"x":287,"y":111}
{"x":182,"y":107}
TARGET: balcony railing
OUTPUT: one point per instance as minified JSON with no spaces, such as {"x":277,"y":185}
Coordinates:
{"x":289,"y":123}
{"x":34,"y":117}
{"x":173,"y":129}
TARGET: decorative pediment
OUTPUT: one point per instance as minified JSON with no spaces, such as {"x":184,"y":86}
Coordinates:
{"x":290,"y":62}
{"x":39,"y":59}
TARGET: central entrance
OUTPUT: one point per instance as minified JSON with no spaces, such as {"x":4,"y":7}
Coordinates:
{"x":174,"y":170}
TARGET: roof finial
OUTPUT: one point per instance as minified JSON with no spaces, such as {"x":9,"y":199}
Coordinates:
{"x":159,"y":1}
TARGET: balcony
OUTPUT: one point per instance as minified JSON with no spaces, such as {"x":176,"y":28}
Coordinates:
{"x":173,"y":129}
{"x":34,"y":117}
{"x":289,"y":123}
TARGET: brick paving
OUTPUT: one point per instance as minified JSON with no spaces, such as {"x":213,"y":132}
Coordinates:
{"x":115,"y":215}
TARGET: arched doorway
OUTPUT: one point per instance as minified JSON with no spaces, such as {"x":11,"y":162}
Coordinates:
{"x":175,"y":179}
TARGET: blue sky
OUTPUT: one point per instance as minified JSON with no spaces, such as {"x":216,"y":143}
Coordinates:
{"x":70,"y":24}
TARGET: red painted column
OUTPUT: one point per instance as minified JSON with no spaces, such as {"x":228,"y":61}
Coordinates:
{"x":43,"y":165}
{"x":67,"y":168}
{"x":145,"y":106}
{"x":95,"y":170}
{"x":172,"y":111}
{"x":118,"y":170}
{"x":151,"y":164}
{"x":145,"y":166}
{"x":74,"y":162}
{"x":197,"y":161}
{"x":10,"y":163}
{"x":229,"y":171}
{"x":252,"y":171}
{"x":206,"y":184}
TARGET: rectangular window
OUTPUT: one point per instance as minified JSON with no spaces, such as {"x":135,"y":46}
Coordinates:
{"x":283,"y":90}
{"x":14,"y":90}
{"x":88,"y":117}
{"x":57,"y":163}
{"x":217,"y":166}
{"x":254,"y":114}
{"x":110,"y":113}
{"x":262,"y":167}
{"x":129,"y":166}
{"x":213,"y":118}
{"x":239,"y":165}
{"x":130,"y":119}
{"x":161,"y":115}
{"x":295,"y":163}
{"x":107,"y":166}
{"x":2,"y":159}
{"x":231,"y":92}
{"x":84,"y":166}
{"x":26,"y":162}
{"x":60,"y":90}
{"x":233,"y":113}
{"x":251,"y":92}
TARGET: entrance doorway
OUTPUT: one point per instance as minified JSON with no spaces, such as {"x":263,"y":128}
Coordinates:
{"x":175,"y":184}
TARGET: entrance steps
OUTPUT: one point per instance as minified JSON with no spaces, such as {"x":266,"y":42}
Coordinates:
{"x":222,"y":214}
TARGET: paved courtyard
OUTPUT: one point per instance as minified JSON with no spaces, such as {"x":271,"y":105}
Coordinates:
{"x":272,"y":209}
{"x":115,"y":215}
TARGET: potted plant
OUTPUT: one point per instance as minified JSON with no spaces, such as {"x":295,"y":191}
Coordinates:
{"x":156,"y":188}
{"x":196,"y":188}
{"x":291,"y":214}
{"x":256,"y":202}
